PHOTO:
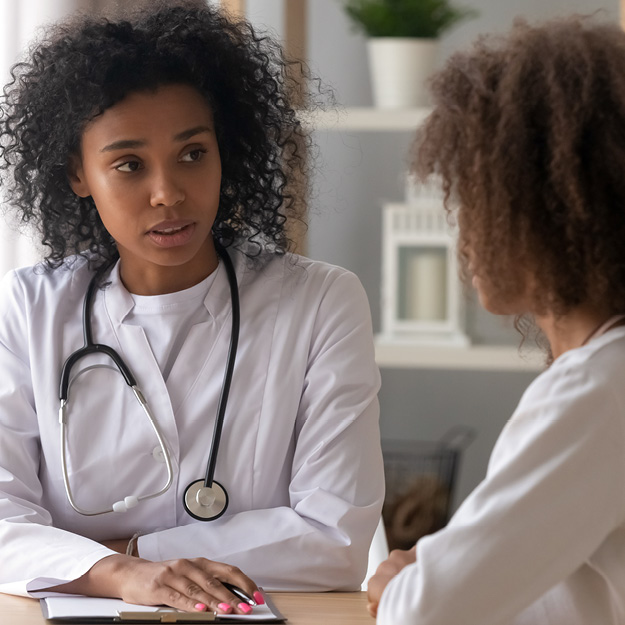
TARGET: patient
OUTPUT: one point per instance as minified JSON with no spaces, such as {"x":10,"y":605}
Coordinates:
{"x":528,"y":135}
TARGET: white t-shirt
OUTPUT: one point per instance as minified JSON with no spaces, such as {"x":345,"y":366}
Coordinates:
{"x":166,"y":320}
{"x":542,"y":540}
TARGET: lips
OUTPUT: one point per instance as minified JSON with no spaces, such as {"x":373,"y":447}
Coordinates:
{"x":171,"y":233}
{"x":170,"y":226}
{"x":168,"y":230}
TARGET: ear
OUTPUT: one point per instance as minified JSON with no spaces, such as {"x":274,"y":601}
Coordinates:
{"x":76,"y":177}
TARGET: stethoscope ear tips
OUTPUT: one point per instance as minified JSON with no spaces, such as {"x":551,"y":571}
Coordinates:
{"x":129,"y":502}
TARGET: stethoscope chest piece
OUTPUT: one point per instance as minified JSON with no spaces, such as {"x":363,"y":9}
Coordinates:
{"x":205,"y":503}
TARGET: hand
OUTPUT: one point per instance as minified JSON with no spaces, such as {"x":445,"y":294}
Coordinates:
{"x":117,"y":545}
{"x":396,"y":561}
{"x":181,"y":584}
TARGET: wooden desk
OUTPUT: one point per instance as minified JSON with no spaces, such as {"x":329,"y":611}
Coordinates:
{"x":323,"y":608}
{"x":300,"y":608}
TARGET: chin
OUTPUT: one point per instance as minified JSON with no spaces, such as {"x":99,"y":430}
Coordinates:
{"x":497,"y":307}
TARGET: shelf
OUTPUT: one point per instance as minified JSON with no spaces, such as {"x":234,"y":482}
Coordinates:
{"x":404,"y":355}
{"x":366,"y":119}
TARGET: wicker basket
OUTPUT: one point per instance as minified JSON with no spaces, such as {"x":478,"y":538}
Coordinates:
{"x":420,"y":480}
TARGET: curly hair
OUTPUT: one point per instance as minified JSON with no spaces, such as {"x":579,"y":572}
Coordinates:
{"x":87,"y":64}
{"x":528,"y":136}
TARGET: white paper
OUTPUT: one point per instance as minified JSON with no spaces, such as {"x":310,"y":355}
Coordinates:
{"x":79,"y":607}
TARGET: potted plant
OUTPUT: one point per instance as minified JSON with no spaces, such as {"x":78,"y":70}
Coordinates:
{"x":403,"y":41}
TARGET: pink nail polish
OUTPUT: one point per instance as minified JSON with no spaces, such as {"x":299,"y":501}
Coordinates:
{"x":225,"y":607}
{"x":244,"y":607}
{"x":200,"y":607}
{"x":258,"y":597}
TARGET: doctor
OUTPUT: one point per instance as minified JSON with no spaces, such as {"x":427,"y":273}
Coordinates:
{"x":153,"y":157}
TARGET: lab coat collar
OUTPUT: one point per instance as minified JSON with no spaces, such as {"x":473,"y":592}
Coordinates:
{"x":133,"y":345}
{"x":119,"y":301}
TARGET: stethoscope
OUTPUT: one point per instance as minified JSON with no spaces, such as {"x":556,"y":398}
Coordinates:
{"x":204,"y":499}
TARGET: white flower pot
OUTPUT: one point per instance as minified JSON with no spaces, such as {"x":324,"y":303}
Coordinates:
{"x":399,"y":69}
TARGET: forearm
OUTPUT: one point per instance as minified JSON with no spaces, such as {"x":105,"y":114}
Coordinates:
{"x":36,"y":556}
{"x":190,"y":585}
{"x":329,"y":557}
{"x":101,"y":580}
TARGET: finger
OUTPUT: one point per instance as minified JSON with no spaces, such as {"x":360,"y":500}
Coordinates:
{"x":174,"y":597}
{"x":196,"y":583}
{"x":401,"y":558}
{"x":176,"y":585}
{"x":372,"y":608}
{"x":233,"y":575}
{"x":186,"y":594}
{"x":372,"y":590}
{"x":402,"y":554}
{"x":375,"y":587}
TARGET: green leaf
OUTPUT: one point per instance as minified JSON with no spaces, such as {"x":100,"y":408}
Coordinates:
{"x":405,"y":18}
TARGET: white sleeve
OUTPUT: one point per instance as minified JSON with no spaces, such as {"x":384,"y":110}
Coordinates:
{"x":553,"y":493}
{"x":33,"y":554}
{"x":320,"y":541}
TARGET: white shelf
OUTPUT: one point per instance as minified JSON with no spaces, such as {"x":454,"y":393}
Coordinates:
{"x":406,"y":355}
{"x":367,"y":119}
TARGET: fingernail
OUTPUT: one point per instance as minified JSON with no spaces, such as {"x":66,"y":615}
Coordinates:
{"x":225,"y":607}
{"x":244,"y":607}
{"x":200,"y":607}
{"x":258,"y":597}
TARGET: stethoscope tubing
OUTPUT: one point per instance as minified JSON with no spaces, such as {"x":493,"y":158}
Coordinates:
{"x":232,"y":354}
{"x":128,"y":501}
{"x":89,"y":347}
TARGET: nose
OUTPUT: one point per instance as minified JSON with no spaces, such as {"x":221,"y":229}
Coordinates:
{"x":165,"y":190}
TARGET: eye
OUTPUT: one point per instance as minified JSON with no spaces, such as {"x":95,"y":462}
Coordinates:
{"x":129,"y":166}
{"x":193,"y":155}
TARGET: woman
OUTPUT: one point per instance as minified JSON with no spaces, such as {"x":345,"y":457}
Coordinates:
{"x":158,"y":157}
{"x":528,"y":135}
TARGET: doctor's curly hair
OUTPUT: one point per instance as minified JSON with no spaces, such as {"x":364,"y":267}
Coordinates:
{"x":87,"y":64}
{"x":528,"y":136}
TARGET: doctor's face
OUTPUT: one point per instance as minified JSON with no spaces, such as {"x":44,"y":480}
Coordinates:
{"x":151,"y":164}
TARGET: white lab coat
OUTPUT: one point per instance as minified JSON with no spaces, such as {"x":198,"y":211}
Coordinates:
{"x":542,"y":540}
{"x":299,"y":456}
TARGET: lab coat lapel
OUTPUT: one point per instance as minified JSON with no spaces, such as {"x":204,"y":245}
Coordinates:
{"x":260,"y":288}
{"x":134,"y":348}
{"x":199,"y":346}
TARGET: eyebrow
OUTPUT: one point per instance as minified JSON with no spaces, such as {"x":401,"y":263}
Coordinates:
{"x":127,"y":144}
{"x":187,"y":134}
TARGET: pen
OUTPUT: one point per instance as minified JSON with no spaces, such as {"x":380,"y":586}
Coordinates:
{"x":235,"y":590}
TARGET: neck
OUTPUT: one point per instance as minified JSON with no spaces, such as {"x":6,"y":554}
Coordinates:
{"x":145,"y":278}
{"x":573,"y":329}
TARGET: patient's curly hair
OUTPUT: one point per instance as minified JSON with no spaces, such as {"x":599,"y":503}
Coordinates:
{"x":87,"y":64}
{"x":528,"y":135}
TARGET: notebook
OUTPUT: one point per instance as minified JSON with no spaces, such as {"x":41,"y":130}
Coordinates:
{"x":74,"y":609}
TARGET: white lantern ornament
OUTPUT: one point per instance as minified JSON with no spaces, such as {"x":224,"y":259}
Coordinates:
{"x":422,"y":295}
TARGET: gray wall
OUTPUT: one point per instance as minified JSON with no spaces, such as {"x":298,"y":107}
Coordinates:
{"x":356,"y":173}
